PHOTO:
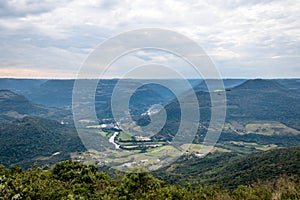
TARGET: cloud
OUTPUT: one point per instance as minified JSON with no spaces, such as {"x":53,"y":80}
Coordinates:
{"x":21,"y":8}
{"x":241,"y":36}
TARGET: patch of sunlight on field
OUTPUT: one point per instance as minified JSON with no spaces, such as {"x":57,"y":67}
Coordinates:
{"x":163,"y":150}
{"x":94,"y":126}
{"x":106,"y":134}
{"x":270,"y":128}
{"x":202,"y":149}
{"x":255,"y":145}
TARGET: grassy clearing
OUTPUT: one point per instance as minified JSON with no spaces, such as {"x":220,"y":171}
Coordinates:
{"x":270,"y":128}
{"x":163,"y":150}
{"x":106,"y":134}
{"x":255,"y":145}
{"x":231,"y":147}
{"x":200,"y":148}
{"x":124,"y":136}
{"x":103,"y":133}
{"x":94,"y":126}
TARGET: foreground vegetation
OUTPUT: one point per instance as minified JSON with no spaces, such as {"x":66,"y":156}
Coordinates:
{"x":71,"y":180}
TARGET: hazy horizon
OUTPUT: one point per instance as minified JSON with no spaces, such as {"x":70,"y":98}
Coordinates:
{"x":238,"y":78}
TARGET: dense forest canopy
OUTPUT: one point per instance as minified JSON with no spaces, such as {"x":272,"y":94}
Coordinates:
{"x":71,"y":180}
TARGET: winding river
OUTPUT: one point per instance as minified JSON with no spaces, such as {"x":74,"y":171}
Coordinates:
{"x":112,"y":140}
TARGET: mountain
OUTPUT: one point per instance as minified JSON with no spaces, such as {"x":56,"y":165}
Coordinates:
{"x":53,"y":93}
{"x":11,"y":101}
{"x":257,"y":111}
{"x":140,"y":101}
{"x":291,"y":84}
{"x":231,"y":170}
{"x":260,"y":84}
{"x":252,"y":100}
{"x":58,"y":93}
{"x":263,"y":100}
{"x":28,"y":140}
{"x":228,"y":83}
{"x":15,"y":106}
{"x":32,"y":132}
{"x":20,"y":86}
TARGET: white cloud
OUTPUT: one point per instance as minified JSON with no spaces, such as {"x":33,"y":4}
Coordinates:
{"x":235,"y":33}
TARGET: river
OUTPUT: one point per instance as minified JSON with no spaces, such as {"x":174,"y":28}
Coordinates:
{"x":112,"y":140}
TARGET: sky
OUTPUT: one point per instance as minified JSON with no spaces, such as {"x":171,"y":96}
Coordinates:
{"x":243,"y":38}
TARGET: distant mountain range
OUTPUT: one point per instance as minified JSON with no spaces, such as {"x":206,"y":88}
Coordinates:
{"x":58,"y":93}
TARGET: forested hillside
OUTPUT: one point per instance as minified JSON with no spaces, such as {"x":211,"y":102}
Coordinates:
{"x":15,"y":106}
{"x":231,"y":169}
{"x":29,"y":139}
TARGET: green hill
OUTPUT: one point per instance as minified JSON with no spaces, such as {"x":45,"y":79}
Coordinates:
{"x":12,"y":102}
{"x":231,"y":169}
{"x":252,"y":101}
{"x":29,"y":139}
{"x":263,"y":100}
{"x":15,"y":106}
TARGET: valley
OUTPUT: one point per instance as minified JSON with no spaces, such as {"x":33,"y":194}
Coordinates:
{"x":262,"y":116}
